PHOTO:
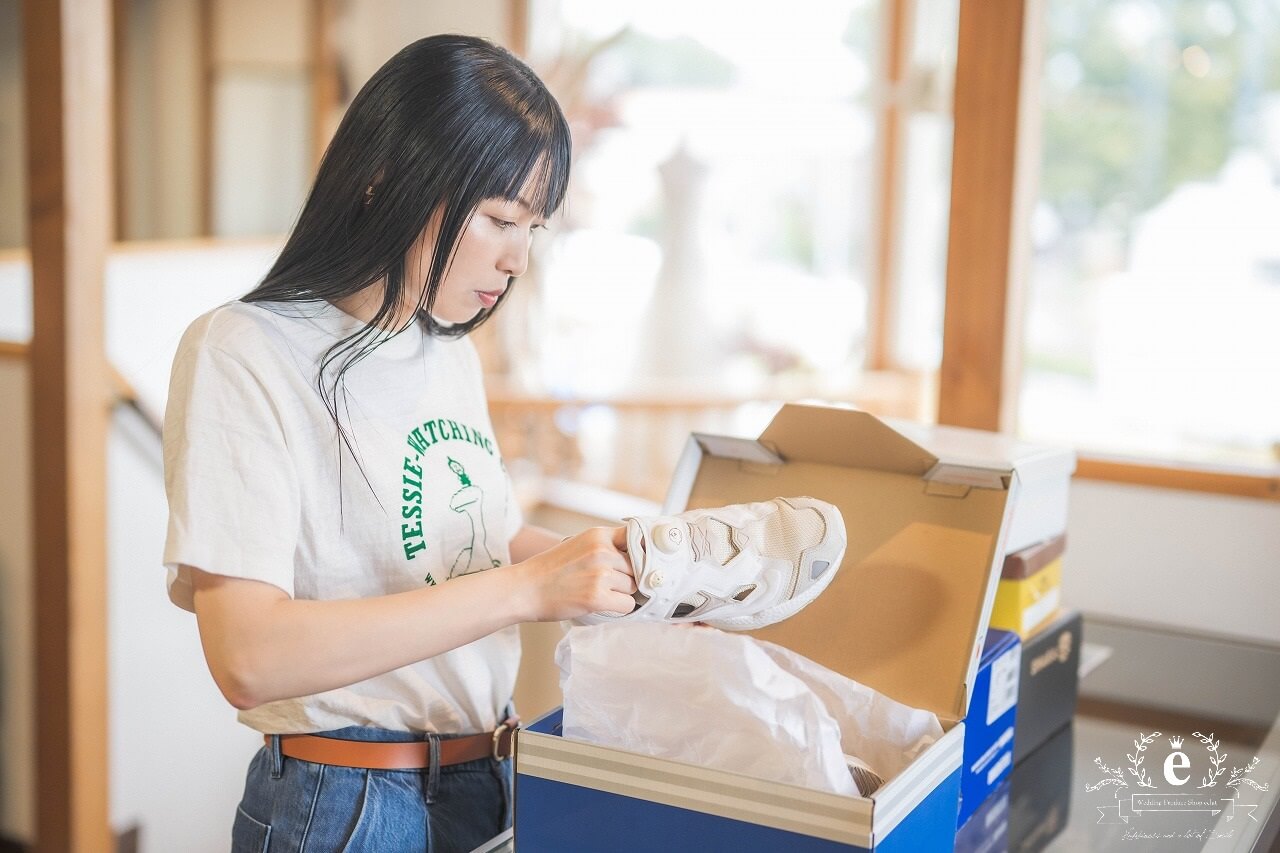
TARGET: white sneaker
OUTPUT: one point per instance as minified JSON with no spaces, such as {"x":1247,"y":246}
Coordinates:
{"x":737,"y":567}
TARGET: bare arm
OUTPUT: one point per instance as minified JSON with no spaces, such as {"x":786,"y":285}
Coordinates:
{"x":262,"y":645}
{"x":532,"y":541}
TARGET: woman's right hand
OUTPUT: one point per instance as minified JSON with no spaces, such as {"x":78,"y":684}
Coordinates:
{"x":586,"y":573}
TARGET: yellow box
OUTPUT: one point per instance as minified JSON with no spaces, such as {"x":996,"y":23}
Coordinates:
{"x":1024,"y":604}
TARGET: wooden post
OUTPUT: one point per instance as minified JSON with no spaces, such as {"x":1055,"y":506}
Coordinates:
{"x":995,"y":168}
{"x":66,"y":47}
{"x":518,"y":27}
{"x":324,"y":77}
{"x":207,"y":77}
{"x":893,"y":112}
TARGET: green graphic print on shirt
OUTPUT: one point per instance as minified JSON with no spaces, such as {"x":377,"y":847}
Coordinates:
{"x":466,"y":498}
{"x":469,"y":500}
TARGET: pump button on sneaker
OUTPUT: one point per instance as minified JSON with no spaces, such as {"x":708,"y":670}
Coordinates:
{"x":668,"y":538}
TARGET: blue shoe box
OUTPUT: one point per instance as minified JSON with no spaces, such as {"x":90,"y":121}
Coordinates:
{"x":572,"y":796}
{"x":988,"y":829}
{"x":989,"y":727}
{"x":928,"y":512}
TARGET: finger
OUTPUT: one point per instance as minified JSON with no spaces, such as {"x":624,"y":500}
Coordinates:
{"x":619,"y":538}
{"x":622,"y":582}
{"x":624,"y":566}
{"x":619,"y":603}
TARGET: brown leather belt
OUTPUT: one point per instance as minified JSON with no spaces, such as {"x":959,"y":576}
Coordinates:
{"x":407,"y":755}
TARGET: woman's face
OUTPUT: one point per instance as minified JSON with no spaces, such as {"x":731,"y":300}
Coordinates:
{"x":492,"y":248}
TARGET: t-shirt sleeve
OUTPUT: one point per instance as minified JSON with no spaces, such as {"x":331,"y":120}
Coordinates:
{"x":515,"y":516}
{"x":232,"y":489}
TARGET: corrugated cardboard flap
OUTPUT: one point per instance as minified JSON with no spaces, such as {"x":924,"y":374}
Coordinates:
{"x":904,"y":613}
{"x":822,"y":434}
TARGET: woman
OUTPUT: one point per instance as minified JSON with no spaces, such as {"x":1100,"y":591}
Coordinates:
{"x":366,"y":608}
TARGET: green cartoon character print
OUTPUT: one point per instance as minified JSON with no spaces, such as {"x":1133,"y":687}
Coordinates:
{"x":469,"y":501}
{"x":424,"y":484}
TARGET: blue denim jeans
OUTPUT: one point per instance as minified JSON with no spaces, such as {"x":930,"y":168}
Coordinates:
{"x":292,"y":805}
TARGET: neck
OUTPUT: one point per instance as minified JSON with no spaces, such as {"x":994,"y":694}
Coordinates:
{"x":364,"y":304}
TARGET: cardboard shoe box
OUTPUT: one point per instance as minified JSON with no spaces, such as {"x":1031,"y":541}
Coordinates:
{"x":1044,"y":474}
{"x":927,"y":520}
{"x":1049,"y":682}
{"x":989,"y":727}
{"x":1030,"y":590}
{"x":1040,"y":793}
{"x":987,"y":829}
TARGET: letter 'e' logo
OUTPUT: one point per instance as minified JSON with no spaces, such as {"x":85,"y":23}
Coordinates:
{"x":1176,"y":761}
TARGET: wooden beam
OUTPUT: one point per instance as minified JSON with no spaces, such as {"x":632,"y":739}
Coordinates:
{"x":205,"y":77}
{"x":67,"y":56}
{"x":324,"y":76}
{"x":995,"y":165}
{"x":518,"y":27}
{"x":1186,"y":478}
{"x":896,"y":56}
{"x":120,"y":114}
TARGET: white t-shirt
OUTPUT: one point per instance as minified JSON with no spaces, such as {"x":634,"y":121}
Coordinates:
{"x":251,"y":459}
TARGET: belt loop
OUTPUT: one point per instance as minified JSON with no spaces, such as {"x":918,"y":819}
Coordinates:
{"x":502,"y":772}
{"x":277,"y":760}
{"x":433,"y":767}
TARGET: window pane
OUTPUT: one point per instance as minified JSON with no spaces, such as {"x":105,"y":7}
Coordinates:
{"x":1154,"y":302}
{"x":716,"y":236}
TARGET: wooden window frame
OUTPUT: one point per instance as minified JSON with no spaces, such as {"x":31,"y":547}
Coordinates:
{"x":995,"y":165}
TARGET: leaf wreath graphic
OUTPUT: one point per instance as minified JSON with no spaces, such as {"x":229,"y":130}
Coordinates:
{"x":1115,"y":776}
{"x":1239,"y":776}
{"x":1215,"y":759}
{"x":1136,"y":758}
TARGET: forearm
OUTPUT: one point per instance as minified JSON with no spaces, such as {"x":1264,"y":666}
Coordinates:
{"x":263,"y":650}
{"x":262,"y":645}
{"x":531,"y":541}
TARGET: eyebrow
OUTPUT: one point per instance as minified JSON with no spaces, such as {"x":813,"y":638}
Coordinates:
{"x":530,"y":208}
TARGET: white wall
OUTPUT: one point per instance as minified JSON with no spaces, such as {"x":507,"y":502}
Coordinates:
{"x":178,"y":756}
{"x":1192,"y":561}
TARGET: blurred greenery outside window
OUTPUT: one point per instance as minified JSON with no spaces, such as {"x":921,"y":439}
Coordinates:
{"x":718,"y":235}
{"x":1153,"y":321}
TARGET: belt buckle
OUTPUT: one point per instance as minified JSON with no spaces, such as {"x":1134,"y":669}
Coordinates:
{"x":507,"y":725}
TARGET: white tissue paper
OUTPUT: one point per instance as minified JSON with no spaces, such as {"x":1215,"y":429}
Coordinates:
{"x":729,"y":701}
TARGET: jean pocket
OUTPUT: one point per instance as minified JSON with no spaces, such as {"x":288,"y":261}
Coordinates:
{"x":249,"y":835}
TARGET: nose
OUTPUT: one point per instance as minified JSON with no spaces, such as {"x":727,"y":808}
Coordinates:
{"x":515,"y":255}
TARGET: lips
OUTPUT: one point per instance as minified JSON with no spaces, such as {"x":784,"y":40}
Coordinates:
{"x":488,"y":298}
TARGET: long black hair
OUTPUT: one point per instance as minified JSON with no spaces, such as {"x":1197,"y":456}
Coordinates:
{"x":446,"y":123}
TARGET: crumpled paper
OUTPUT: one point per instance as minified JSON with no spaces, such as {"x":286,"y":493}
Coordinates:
{"x":729,"y":701}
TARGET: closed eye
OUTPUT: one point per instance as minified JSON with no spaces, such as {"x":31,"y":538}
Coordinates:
{"x":502,"y":223}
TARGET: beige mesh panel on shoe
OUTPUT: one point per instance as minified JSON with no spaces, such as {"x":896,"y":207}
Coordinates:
{"x":784,"y":535}
{"x":788,"y":533}
{"x":712,"y":537}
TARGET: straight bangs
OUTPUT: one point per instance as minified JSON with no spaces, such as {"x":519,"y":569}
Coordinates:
{"x":535,"y":160}
{"x":532,"y":167}
{"x":541,"y":170}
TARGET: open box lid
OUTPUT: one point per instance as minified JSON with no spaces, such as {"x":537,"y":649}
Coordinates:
{"x":908,"y":609}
